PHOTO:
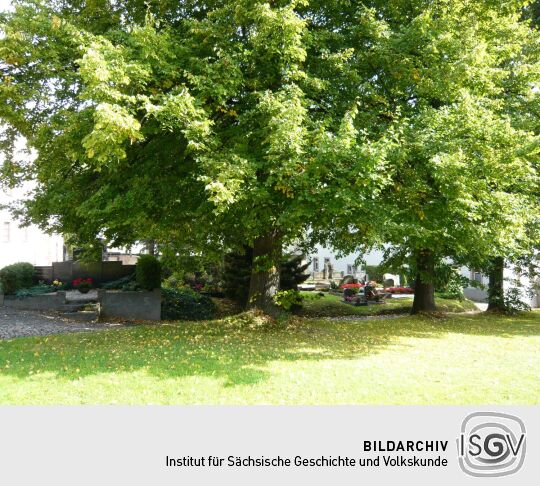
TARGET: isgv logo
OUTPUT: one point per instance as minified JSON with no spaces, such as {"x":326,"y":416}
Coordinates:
{"x":491,"y":444}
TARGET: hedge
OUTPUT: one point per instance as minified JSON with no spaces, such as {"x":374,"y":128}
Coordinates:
{"x":17,"y":276}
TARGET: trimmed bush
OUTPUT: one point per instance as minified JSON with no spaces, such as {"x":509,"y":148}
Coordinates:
{"x":186,"y":304}
{"x":148,"y":272}
{"x":17,"y":276}
{"x":8,"y":281}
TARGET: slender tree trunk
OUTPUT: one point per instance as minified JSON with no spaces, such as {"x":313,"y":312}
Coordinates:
{"x":424,"y":289}
{"x":264,"y":282}
{"x":151,"y":247}
{"x":496,"y":285}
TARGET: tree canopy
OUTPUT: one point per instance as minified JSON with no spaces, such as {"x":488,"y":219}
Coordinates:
{"x":460,"y":84}
{"x":218,"y":124}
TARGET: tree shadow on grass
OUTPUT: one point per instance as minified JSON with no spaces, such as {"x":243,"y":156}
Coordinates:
{"x":234,"y":354}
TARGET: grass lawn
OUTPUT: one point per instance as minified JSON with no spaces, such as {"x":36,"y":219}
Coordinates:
{"x":469,"y":359}
{"x":333,"y":306}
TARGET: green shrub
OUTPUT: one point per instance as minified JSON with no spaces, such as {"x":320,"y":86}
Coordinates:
{"x":350,"y":292}
{"x":124,"y":283}
{"x":293,"y":272}
{"x":375,"y":272}
{"x":186,"y":304}
{"x":174,"y":281}
{"x":8,"y":281}
{"x":39,"y":289}
{"x":17,"y":276}
{"x":289,"y":300}
{"x":148,"y":272}
{"x":513,"y":302}
{"x":449,"y":283}
{"x":237,"y":275}
{"x":451,"y":295}
{"x":131,"y":286}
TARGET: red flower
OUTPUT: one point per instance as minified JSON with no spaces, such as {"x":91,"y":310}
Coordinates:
{"x":352,"y":286}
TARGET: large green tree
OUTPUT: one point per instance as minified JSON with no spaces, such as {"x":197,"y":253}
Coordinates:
{"x":526,"y":260}
{"x":457,"y":86}
{"x":216,"y":123}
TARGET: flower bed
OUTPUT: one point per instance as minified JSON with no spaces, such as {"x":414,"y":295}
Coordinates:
{"x":83,"y":285}
{"x":400,"y":290}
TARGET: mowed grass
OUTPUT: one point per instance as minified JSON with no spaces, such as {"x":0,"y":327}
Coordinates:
{"x":333,"y":306}
{"x":469,"y":359}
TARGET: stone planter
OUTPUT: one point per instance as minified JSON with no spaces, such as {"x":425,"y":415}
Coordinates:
{"x":131,"y":305}
{"x":45,"y":302}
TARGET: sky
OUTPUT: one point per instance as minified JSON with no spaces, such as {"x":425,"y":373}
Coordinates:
{"x":4,"y":4}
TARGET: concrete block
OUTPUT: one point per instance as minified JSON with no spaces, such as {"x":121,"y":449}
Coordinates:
{"x":135,"y":305}
{"x":45,"y":302}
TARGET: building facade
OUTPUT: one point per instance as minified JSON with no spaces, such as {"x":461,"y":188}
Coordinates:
{"x":25,"y":244}
{"x":528,"y":290}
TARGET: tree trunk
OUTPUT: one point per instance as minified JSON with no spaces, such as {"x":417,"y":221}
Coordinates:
{"x":496,"y":285}
{"x":424,"y":288}
{"x":151,"y":247}
{"x":264,"y":282}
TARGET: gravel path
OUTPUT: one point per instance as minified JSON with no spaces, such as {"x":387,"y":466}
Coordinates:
{"x":377,"y":317}
{"x":18,"y":323}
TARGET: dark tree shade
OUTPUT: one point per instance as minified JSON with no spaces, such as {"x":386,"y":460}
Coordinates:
{"x":293,"y":272}
{"x":237,"y":274}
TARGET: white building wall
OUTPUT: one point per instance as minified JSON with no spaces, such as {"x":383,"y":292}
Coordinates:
{"x":510,"y":280}
{"x":343,"y":264}
{"x":476,"y":294}
{"x":25,"y":244}
{"x":524,"y":284}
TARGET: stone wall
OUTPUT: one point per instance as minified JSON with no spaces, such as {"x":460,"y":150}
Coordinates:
{"x":136,"y":305}
{"x":100,"y":272}
{"x":46,"y":302}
